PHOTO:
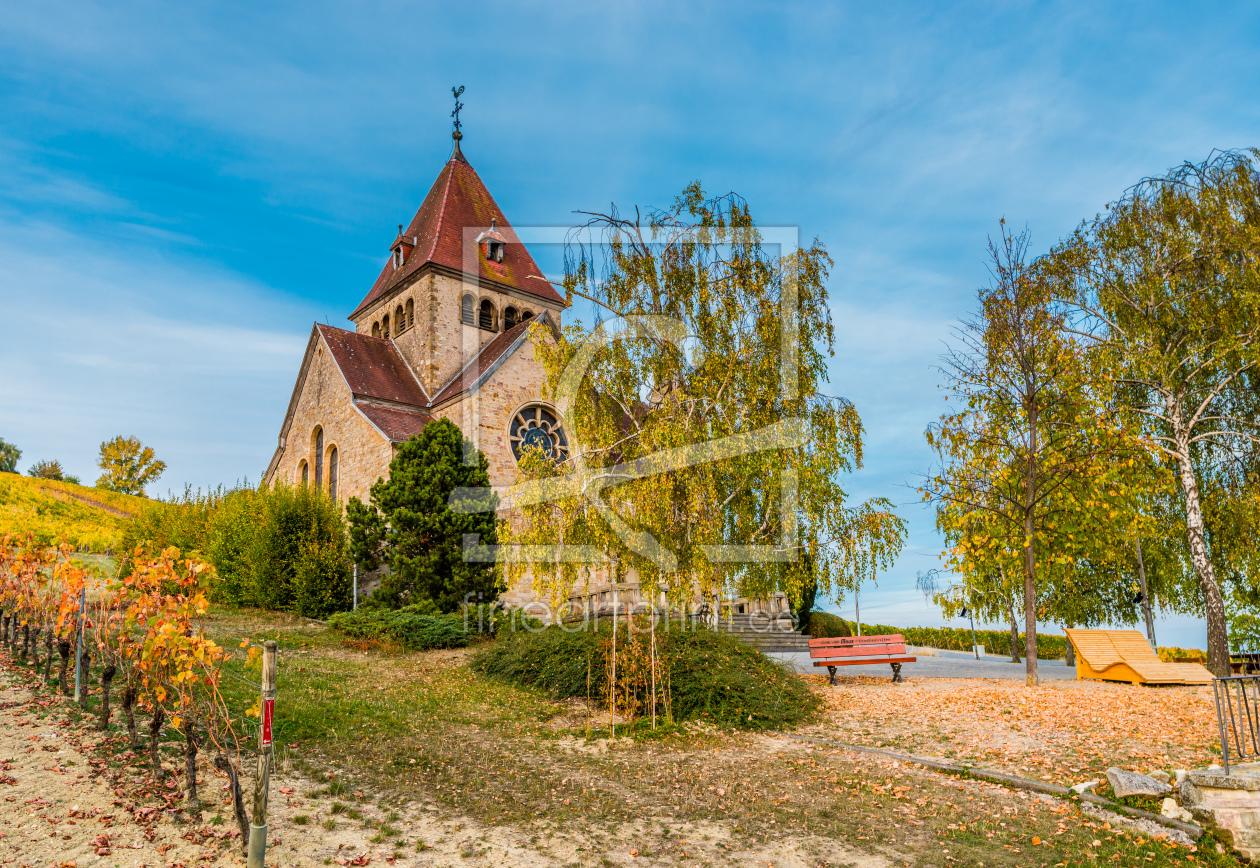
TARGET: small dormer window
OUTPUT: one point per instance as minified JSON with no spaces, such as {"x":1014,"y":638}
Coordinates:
{"x":401,"y":247}
{"x":492,"y":242}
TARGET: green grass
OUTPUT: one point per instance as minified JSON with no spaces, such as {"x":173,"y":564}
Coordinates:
{"x":425,"y":728}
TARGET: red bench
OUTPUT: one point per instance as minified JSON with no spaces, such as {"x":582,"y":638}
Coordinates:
{"x":860,"y":651}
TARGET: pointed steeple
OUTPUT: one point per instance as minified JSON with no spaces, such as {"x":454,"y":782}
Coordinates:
{"x":458,"y":200}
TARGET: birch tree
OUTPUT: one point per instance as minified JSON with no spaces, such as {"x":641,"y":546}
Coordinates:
{"x":706,"y":455}
{"x":1166,"y":285}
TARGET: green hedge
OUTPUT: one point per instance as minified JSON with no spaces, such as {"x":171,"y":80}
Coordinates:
{"x":414,"y":627}
{"x":1049,"y":646}
{"x":824,"y":625}
{"x":711,"y":676}
{"x":275,"y":548}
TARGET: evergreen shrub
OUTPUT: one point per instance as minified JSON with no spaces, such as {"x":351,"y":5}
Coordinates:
{"x":709,"y":675}
{"x":824,"y":625}
{"x":416,"y":628}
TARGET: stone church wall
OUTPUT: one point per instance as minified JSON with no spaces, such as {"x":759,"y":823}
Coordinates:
{"x":488,"y":413}
{"x":362,"y":453}
{"x":439,"y":352}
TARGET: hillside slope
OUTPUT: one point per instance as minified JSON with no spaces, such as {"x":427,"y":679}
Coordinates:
{"x":90,"y":519}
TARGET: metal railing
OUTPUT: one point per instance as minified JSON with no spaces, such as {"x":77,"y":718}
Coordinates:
{"x":1238,"y":717}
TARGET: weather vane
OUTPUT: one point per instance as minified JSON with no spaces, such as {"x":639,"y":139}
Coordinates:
{"x":458,"y":105}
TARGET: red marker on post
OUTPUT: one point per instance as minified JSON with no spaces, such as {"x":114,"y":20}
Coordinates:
{"x":269,"y":706}
{"x":258,"y":825}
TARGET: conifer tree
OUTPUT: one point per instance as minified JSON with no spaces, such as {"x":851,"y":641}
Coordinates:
{"x":410,"y":525}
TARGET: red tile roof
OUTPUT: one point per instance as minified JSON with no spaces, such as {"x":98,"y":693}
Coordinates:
{"x":459,"y":200}
{"x":397,"y":424}
{"x":373,"y":367}
{"x":484,"y":360}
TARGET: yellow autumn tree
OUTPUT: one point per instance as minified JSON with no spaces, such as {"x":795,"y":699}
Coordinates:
{"x":1025,"y":465}
{"x":128,"y":465}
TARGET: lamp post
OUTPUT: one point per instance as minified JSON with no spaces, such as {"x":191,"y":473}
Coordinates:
{"x":975,"y":646}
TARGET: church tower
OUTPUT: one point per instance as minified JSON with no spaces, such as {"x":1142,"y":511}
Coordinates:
{"x":444,"y":332}
{"x":457,"y":277}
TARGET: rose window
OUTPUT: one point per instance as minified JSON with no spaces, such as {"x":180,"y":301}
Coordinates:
{"x":537,"y":427}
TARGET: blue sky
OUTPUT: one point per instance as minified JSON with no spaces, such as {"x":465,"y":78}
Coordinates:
{"x":185,"y":187}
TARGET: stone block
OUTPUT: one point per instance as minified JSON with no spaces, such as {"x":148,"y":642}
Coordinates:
{"x":1126,"y":783}
{"x":1161,"y":776}
{"x":1242,"y":799}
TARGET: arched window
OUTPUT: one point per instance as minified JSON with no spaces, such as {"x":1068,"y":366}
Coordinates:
{"x":319,"y":457}
{"x":376,"y":329}
{"x":400,"y":321}
{"x":467,"y":313}
{"x":332,"y":473}
{"x":305,"y":469}
{"x":529,"y":314}
{"x":509,"y":318}
{"x":411,"y":313}
{"x":485,"y":316}
{"x":385,"y":326}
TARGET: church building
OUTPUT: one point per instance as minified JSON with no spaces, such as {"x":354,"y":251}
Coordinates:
{"x":442,"y":333}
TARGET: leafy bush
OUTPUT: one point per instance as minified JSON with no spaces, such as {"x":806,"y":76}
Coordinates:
{"x":824,"y":625}
{"x":1172,"y":653}
{"x":417,"y":627}
{"x":275,"y":548}
{"x":47,"y":470}
{"x":706,"y":675}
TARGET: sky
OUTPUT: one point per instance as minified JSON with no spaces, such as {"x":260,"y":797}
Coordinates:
{"x":185,"y":188}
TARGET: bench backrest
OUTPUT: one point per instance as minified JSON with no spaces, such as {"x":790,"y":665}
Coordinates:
{"x":858,"y":646}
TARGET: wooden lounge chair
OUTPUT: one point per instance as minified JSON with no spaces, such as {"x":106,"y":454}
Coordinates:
{"x":1125,"y":655}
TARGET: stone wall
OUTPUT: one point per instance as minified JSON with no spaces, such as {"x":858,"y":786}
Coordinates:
{"x":439,"y":350}
{"x":363,"y":454}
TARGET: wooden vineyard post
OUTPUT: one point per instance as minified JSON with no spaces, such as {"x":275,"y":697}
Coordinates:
{"x":258,"y":826}
{"x":78,"y":657}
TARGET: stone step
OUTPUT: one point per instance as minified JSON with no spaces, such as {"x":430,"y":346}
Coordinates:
{"x":755,"y":624}
{"x":774,"y":641}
